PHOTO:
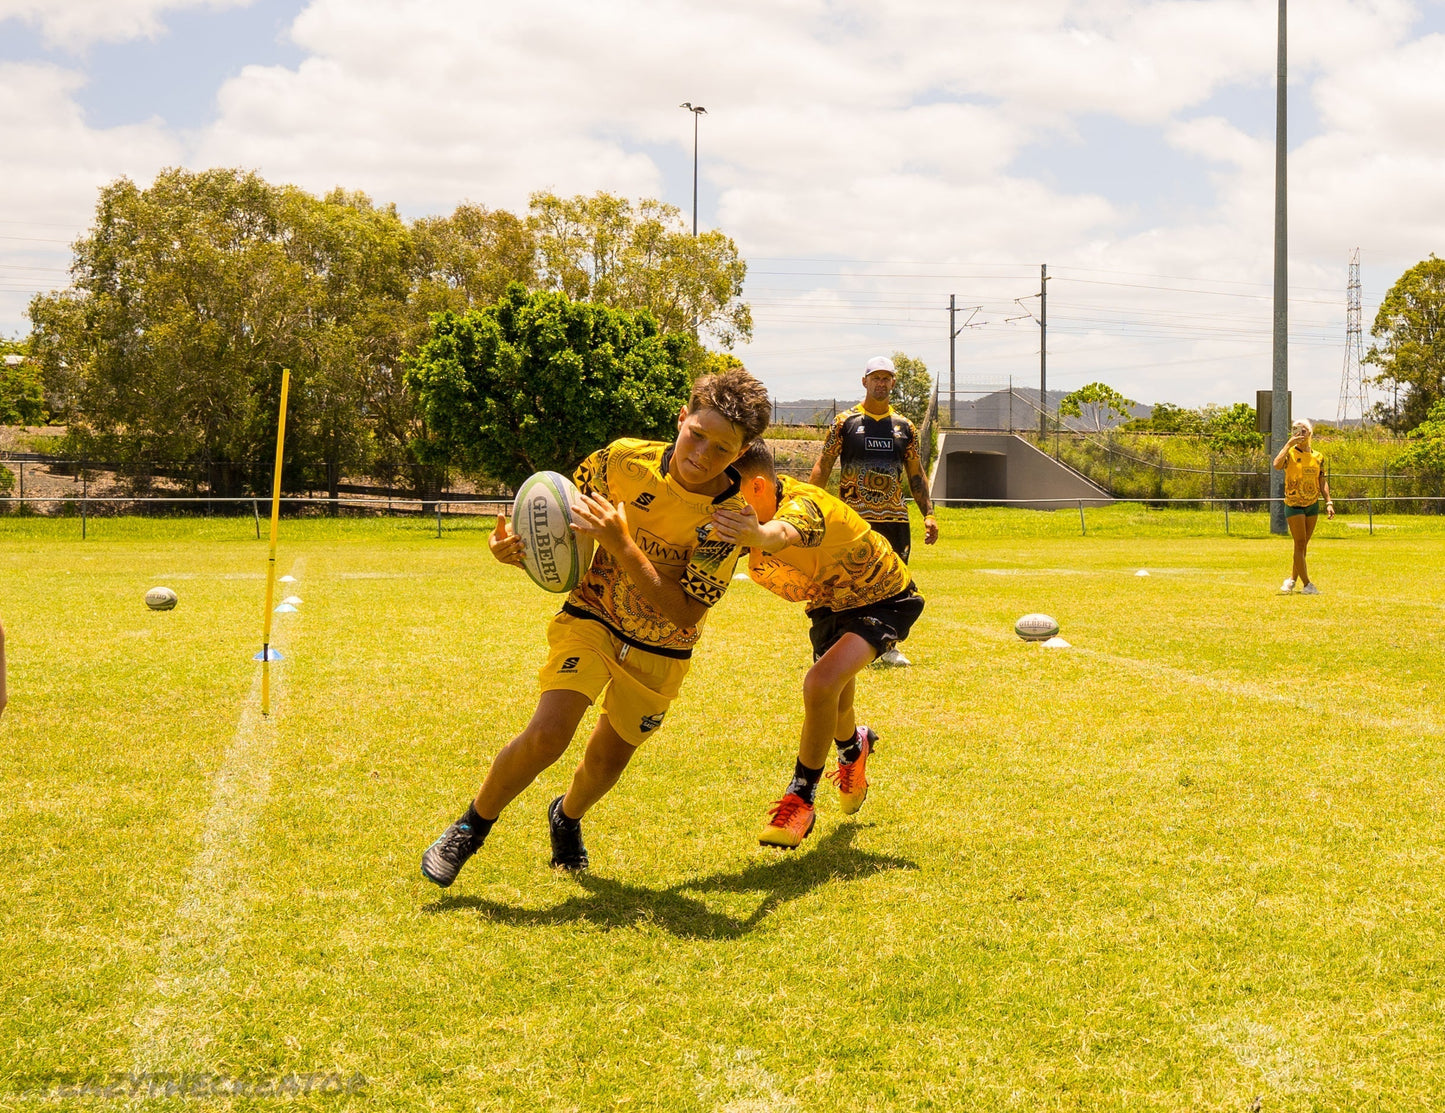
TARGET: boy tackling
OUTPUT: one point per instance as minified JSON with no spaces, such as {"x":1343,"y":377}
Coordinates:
{"x":627,"y":632}
{"x":807,"y":546}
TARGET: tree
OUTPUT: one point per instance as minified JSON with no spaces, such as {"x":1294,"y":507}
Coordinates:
{"x":1409,"y":331}
{"x":189,"y":298}
{"x":351,"y":410}
{"x":22,"y":394}
{"x":641,"y":257}
{"x":467,"y":260}
{"x":1166,"y":417}
{"x":184,"y":301}
{"x":1097,"y":404}
{"x":1426,"y":449}
{"x":538,"y":380}
{"x":1233,"y":430}
{"x":913,"y":391}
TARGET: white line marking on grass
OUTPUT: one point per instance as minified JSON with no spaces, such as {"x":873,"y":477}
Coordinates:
{"x":1416,"y":723}
{"x":1035,"y":572}
{"x":177,"y":1027}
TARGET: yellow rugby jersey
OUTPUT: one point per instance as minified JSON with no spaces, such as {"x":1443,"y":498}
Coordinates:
{"x":1302,"y":474}
{"x":874,"y":453}
{"x":670,"y":525}
{"x":840,"y":562}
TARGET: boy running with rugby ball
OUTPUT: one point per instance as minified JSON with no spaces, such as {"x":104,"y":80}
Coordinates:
{"x":626,"y":633}
{"x":807,"y":546}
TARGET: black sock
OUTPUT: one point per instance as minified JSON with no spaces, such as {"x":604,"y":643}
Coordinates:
{"x":805,"y":781}
{"x":849,"y":749}
{"x":480,"y":827}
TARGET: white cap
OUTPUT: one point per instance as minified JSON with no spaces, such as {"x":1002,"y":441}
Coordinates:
{"x":879,"y":363}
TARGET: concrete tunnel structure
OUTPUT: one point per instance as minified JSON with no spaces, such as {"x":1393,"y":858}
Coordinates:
{"x":981,"y":468}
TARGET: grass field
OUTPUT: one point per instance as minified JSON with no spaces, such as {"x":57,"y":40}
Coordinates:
{"x":1193,"y":861}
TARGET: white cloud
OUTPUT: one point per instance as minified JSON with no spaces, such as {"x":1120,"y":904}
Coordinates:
{"x":853,"y":131}
{"x":53,"y":166}
{"x":75,"y":24}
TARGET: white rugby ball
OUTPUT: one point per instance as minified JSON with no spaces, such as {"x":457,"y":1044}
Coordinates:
{"x":1036,"y":627}
{"x":160,"y":599}
{"x":554,"y":556}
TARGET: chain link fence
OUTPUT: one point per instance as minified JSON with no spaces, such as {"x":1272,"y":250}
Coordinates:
{"x":1141,"y":470}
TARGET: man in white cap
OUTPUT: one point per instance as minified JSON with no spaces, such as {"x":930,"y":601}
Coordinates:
{"x":878,"y":448}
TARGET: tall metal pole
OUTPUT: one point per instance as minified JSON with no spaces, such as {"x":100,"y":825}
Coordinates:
{"x":1043,"y":349}
{"x":952,"y":338}
{"x":1279,"y":404}
{"x":696,"y":110}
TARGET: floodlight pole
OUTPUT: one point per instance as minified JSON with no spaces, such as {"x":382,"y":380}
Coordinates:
{"x":1279,"y":406}
{"x":696,"y":110}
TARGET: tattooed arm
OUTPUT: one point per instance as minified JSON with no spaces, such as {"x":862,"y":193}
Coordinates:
{"x":918,"y":486}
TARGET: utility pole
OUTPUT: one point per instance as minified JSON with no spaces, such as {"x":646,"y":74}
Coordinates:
{"x":1044,"y":348}
{"x":952,"y":336}
{"x":1280,"y":415}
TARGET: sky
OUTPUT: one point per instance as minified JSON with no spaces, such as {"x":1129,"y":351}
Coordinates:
{"x":869,"y":159}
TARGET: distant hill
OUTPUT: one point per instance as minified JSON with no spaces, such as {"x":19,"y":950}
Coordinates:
{"x":996,"y":410}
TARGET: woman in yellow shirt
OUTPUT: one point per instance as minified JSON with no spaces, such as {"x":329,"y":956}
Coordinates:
{"x":1304,"y":481}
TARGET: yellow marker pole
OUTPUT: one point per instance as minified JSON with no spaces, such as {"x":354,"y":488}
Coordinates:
{"x":271,"y":564}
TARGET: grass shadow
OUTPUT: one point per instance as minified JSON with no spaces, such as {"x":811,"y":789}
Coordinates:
{"x":612,"y":904}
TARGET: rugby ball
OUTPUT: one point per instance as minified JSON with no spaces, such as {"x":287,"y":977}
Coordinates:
{"x":553,"y":555}
{"x":1036,"y":628}
{"x":160,"y":599}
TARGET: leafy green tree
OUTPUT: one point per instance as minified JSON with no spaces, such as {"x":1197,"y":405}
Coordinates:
{"x":1409,"y":348}
{"x":1425,"y":451}
{"x":352,"y":411}
{"x":641,"y":257}
{"x":469,"y":259}
{"x":1166,"y":417}
{"x":538,"y":380}
{"x":185,"y":301}
{"x":1232,"y":430}
{"x":1097,"y":404}
{"x":913,"y":391}
{"x":22,"y":393}
{"x":189,"y":298}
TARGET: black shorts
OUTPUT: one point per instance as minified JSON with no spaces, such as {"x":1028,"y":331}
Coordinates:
{"x":897,"y":534}
{"x":882,"y":624}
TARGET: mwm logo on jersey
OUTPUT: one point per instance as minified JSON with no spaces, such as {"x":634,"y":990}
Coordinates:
{"x":644,"y":500}
{"x":658,"y":549}
{"x":878,"y":444}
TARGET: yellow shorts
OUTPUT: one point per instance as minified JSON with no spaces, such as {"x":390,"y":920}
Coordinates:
{"x":585,"y":657}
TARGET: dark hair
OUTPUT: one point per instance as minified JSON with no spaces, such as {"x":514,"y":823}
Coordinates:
{"x":757,"y":459}
{"x":737,"y":396}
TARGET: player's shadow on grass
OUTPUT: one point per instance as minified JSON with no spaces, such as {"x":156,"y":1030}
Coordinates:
{"x":612,"y":904}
